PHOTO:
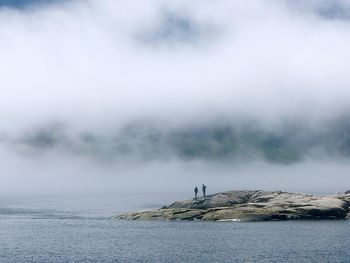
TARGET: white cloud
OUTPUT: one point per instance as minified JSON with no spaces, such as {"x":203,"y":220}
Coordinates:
{"x":84,"y":63}
{"x":83,"y":59}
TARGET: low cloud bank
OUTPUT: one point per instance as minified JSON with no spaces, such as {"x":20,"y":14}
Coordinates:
{"x":105,"y":87}
{"x":225,"y":141}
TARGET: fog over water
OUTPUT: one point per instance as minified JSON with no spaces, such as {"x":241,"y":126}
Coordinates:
{"x":159,"y":96}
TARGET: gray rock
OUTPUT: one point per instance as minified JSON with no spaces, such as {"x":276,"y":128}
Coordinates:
{"x":250,"y":206}
{"x":347,"y":192}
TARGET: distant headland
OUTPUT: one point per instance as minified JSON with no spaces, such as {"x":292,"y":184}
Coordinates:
{"x":249,"y":205}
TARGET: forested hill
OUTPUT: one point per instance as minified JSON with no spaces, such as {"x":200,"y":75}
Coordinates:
{"x":227,"y":142}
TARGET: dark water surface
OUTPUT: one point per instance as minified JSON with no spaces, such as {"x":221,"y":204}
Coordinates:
{"x":78,"y":228}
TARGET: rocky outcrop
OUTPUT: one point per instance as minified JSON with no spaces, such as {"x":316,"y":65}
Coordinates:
{"x":346,"y":198}
{"x":250,"y":206}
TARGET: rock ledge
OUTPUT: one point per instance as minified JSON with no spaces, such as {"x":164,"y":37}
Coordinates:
{"x":250,"y":206}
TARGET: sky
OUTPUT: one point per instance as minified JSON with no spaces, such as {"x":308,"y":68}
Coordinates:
{"x":90,"y":69}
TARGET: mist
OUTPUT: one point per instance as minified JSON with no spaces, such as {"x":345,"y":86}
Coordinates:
{"x":123,"y":96}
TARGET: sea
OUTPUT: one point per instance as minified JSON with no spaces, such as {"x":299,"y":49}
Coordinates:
{"x":80,"y":228}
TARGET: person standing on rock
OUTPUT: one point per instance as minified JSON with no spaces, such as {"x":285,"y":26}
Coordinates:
{"x":195,"y":192}
{"x":204,"y":189}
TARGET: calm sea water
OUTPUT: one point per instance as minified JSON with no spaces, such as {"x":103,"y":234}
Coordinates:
{"x":78,"y":228}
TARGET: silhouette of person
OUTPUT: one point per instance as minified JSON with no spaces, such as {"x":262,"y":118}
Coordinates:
{"x":195,"y":192}
{"x":204,"y":189}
